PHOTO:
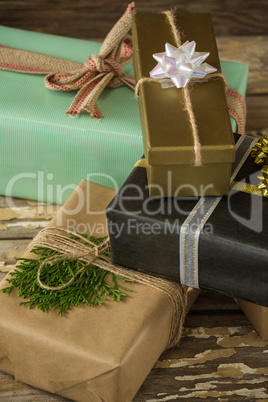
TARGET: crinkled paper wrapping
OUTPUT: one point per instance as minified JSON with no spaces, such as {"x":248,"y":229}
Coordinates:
{"x":90,"y":354}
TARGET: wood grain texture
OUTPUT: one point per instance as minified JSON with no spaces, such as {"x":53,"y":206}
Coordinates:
{"x":93,"y":19}
{"x":11,"y":249}
{"x":257,"y":114}
{"x":218,"y":363}
{"x":11,"y":390}
{"x":20,"y":221}
{"x":254,"y":51}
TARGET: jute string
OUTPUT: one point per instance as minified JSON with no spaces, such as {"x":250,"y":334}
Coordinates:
{"x":98,"y":72}
{"x":105,"y":70}
{"x":237,"y":109}
{"x":170,"y":17}
{"x":58,"y":239}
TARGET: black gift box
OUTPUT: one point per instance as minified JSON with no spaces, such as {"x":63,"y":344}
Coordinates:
{"x":232,"y":253}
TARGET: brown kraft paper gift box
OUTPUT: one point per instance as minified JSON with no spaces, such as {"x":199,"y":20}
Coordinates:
{"x":257,"y":315}
{"x":167,"y":134}
{"x":95,"y":354}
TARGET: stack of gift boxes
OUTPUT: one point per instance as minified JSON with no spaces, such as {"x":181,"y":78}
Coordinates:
{"x":171,"y":218}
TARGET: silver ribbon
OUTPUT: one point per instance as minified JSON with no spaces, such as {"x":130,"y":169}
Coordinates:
{"x":193,"y":225}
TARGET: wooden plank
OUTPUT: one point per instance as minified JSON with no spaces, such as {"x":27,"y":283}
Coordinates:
{"x":22,"y":219}
{"x":212,"y":363}
{"x":12,"y":202}
{"x":21,"y":229}
{"x":11,"y":249}
{"x":40,"y":212}
{"x":16,"y":391}
{"x":257,"y":113}
{"x":87,"y":19}
{"x":18,"y":231}
{"x":252,"y":50}
{"x":209,"y":302}
{"x":216,"y":319}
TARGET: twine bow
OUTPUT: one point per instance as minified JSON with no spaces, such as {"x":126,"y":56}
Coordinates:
{"x":82,"y":248}
{"x":98,"y":72}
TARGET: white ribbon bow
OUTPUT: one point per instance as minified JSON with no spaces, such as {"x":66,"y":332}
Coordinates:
{"x":181,"y":64}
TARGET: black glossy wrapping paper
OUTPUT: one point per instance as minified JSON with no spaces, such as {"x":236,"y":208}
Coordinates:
{"x":233,"y":246}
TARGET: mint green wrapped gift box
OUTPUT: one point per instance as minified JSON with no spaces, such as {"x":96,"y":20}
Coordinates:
{"x":45,"y":153}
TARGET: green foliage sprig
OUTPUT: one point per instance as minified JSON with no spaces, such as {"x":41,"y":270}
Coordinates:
{"x":90,"y":287}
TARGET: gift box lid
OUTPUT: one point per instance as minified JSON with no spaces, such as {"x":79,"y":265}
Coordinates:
{"x":164,"y":120}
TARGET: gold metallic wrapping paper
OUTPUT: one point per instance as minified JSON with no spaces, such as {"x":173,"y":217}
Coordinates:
{"x":89,"y":354}
{"x":167,"y":136}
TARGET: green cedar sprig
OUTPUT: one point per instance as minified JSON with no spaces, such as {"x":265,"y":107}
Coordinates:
{"x":90,"y":287}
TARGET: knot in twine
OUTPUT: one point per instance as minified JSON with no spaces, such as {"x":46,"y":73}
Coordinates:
{"x":100,"y":65}
{"x":82,"y":248}
{"x":98,"y":72}
{"x":170,"y":17}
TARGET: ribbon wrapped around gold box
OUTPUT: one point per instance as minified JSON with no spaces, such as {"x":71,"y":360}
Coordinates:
{"x":91,"y":353}
{"x":169,"y":139}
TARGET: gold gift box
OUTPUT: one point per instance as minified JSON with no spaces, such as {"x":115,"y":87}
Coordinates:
{"x":167,"y":134}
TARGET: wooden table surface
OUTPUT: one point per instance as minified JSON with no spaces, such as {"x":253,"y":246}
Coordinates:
{"x":220,"y":357}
